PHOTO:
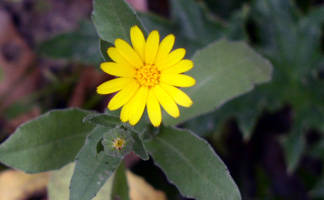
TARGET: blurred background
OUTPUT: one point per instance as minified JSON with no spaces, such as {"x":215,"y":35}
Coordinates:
{"x":271,"y":139}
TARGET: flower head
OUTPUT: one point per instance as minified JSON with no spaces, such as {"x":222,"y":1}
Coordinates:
{"x":148,"y":75}
{"x":117,"y":142}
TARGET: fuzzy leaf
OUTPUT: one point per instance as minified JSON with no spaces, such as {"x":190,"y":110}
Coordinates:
{"x":113,"y":19}
{"x":91,"y":170}
{"x":80,"y":45}
{"x":191,"y":164}
{"x":47,"y":142}
{"x":223,"y":71}
{"x":104,"y":45}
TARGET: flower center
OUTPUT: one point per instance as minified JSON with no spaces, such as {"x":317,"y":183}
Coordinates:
{"x":148,"y":75}
{"x":119,"y":143}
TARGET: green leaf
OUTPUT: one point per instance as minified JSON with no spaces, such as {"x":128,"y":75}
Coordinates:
{"x":138,"y":147}
{"x":91,"y":170}
{"x":165,"y":27}
{"x":152,"y":22}
{"x":194,"y":22}
{"x":293,"y":148}
{"x":318,"y":190}
{"x":143,"y":125}
{"x":317,"y":150}
{"x":120,"y":186}
{"x":104,"y":45}
{"x":237,"y":28}
{"x":80,"y":45}
{"x":103,"y":119}
{"x":223,"y":71}
{"x":47,"y":142}
{"x":245,"y":109}
{"x":191,"y":164}
{"x":273,"y":18}
{"x":113,"y":19}
{"x":190,"y":22}
{"x":58,"y":187}
{"x":297,"y":59}
{"x":224,"y":8}
{"x":294,"y":145}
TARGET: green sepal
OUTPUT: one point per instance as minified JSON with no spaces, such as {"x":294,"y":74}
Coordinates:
{"x":103,"y":119}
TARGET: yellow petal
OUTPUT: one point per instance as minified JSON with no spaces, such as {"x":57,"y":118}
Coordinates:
{"x":116,"y":69}
{"x":173,"y":58}
{"x":114,"y":85}
{"x":179,"y":80}
{"x":138,"y":41}
{"x":116,"y":57}
{"x":124,"y":114}
{"x":180,"y":67}
{"x":138,"y":105}
{"x":153,"y":109}
{"x":128,"y":53}
{"x":165,"y":48}
{"x":178,"y":95}
{"x":166,"y":101}
{"x":123,"y":96}
{"x":151,"y":47}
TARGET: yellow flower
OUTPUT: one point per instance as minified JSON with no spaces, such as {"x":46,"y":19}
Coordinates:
{"x":148,"y":75}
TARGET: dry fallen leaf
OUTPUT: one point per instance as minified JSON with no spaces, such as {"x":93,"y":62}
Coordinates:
{"x":17,"y":185}
{"x":139,"y":189}
{"x":16,"y":60}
